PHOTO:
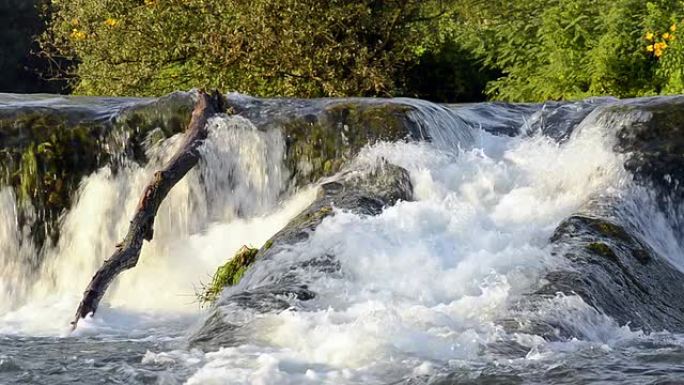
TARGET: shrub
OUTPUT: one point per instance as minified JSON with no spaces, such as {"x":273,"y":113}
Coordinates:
{"x":263,"y":47}
{"x":573,"y":49}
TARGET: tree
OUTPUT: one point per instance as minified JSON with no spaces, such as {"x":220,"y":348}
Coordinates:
{"x":553,"y":49}
{"x":299,"y":48}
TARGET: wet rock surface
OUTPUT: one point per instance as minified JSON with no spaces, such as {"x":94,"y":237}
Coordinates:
{"x":614,"y":271}
{"x":48,"y":146}
{"x":363,"y":192}
{"x":321,"y":135}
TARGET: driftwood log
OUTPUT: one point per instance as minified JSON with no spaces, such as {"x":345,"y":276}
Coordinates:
{"x":142,"y":226}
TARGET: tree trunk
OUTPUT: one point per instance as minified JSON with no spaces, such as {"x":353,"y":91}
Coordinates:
{"x":128,"y":252}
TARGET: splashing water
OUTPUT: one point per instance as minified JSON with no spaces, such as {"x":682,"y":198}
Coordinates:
{"x":421,"y":290}
{"x":210,"y":214}
{"x":423,"y":283}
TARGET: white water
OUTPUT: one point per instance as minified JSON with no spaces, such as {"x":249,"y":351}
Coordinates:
{"x":422,"y":283}
{"x":199,"y":227}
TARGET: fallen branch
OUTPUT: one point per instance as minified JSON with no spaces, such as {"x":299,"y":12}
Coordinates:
{"x":142,"y":226}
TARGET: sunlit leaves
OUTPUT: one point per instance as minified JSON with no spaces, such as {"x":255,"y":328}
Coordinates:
{"x":262,"y":47}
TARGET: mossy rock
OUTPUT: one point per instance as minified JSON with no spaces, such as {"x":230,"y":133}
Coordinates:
{"x":617,"y":273}
{"x":654,"y":142}
{"x":46,"y":151}
{"x":600,"y":248}
{"x":322,"y":135}
{"x":270,"y":284}
{"x":318,"y":145}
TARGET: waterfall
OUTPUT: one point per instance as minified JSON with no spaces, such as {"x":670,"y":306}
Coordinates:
{"x":533,"y":237}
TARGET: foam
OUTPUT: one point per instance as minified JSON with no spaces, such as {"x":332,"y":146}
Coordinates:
{"x":423,"y":283}
{"x":198,"y":227}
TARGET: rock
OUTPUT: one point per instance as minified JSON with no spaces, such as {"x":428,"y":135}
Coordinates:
{"x":364,"y":192}
{"x":612,"y":271}
{"x":321,"y":135}
{"x":617,"y":273}
{"x":654,"y":142}
{"x":609,"y":266}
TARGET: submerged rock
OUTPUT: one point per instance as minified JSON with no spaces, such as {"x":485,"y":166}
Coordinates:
{"x":617,"y":273}
{"x":363,"y":192}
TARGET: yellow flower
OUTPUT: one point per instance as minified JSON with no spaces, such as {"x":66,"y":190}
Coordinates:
{"x":666,"y":36}
{"x":659,"y":48}
{"x":150,"y":2}
{"x":111,"y":22}
{"x":649,"y":36}
{"x":673,"y":28}
{"x":74,"y":22}
{"x":77,"y":35}
{"x":649,"y":48}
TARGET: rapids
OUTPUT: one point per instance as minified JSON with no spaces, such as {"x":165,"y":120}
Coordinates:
{"x":466,"y":282}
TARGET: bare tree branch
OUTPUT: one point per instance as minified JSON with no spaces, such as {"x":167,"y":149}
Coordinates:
{"x":142,"y":226}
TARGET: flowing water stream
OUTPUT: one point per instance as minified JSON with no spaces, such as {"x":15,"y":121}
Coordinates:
{"x":423,"y":294}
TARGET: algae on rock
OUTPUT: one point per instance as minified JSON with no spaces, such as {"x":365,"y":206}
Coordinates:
{"x":46,"y":151}
{"x":321,"y":135}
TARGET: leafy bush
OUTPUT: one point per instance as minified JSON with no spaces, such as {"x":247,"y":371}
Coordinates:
{"x":550,"y":49}
{"x":264,"y":47}
{"x":444,"y":50}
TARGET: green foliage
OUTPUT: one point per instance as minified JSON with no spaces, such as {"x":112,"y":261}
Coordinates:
{"x":449,"y":73}
{"x":552,"y":49}
{"x":228,"y":275}
{"x":263,"y":47}
{"x":443,"y":50}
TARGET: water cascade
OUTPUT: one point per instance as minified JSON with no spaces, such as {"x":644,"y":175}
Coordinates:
{"x":399,"y":242}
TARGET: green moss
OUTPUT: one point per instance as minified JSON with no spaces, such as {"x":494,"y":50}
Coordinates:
{"x":601,"y":248}
{"x":312,"y":217}
{"x":229,"y":274}
{"x":319,"y":145}
{"x":28,"y":175}
{"x":267,"y":245}
{"x":328,"y":167}
{"x":607,"y":229}
{"x":323,"y":212}
{"x":47,"y":152}
{"x":610,"y":229}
